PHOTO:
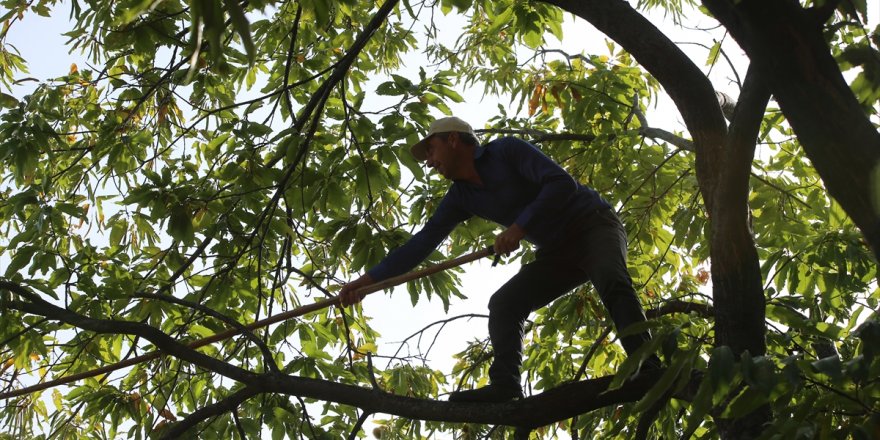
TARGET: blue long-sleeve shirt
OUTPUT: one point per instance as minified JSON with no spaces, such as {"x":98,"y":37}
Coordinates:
{"x":520,"y":185}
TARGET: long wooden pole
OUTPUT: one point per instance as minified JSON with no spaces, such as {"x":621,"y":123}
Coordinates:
{"x":299,"y":311}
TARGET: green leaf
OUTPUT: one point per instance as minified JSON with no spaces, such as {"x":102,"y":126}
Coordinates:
{"x":713,"y":54}
{"x":180,"y":225}
{"x":21,"y":259}
{"x":722,"y":368}
{"x":500,"y":20}
{"x":830,"y":366}
{"x":744,"y":403}
{"x":758,"y":372}
{"x":699,"y":407}
{"x":212,"y":18}
{"x":8,"y":101}
{"x":533,"y":39}
{"x":632,"y":362}
{"x":217,"y":141}
{"x":25,"y":236}
{"x":462,"y":5}
{"x":242,"y":27}
{"x":321,"y":9}
{"x":664,"y":383}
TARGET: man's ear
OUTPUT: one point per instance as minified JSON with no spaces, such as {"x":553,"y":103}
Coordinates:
{"x":453,"y":139}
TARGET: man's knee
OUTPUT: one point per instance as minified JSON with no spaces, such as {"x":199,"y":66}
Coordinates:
{"x":498,"y":301}
{"x":507,"y":301}
{"x":613,"y":288}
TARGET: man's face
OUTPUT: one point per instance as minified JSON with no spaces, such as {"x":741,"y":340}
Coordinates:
{"x":440,"y":155}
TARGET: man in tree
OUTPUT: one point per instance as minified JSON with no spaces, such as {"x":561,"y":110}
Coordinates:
{"x":577,"y":235}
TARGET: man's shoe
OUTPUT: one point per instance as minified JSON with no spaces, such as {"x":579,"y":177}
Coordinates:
{"x":488,"y":394}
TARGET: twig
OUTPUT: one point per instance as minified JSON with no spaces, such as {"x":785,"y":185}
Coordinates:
{"x":372,"y":373}
{"x":357,"y":426}
{"x":238,"y":426}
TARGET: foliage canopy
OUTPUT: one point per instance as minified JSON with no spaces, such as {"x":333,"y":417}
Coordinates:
{"x":225,"y":161}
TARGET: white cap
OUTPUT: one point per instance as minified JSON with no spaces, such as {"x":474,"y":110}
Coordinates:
{"x":442,"y":125}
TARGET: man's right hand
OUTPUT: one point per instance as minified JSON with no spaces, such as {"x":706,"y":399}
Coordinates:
{"x":348,"y":293}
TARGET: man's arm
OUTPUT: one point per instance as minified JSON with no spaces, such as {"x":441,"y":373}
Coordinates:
{"x":557,"y":186}
{"x":447,"y":216}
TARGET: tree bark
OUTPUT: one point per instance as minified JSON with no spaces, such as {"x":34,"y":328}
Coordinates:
{"x":785,"y":43}
{"x":736,"y":273}
{"x":689,"y":88}
{"x":723,"y":164}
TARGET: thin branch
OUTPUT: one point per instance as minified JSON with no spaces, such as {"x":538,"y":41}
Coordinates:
{"x":373,"y":381}
{"x":209,"y":236}
{"x":659,"y":133}
{"x":442,"y":323}
{"x":267,"y":354}
{"x":592,"y":350}
{"x":238,"y":426}
{"x":678,"y":306}
{"x":358,"y":425}
{"x":646,"y":419}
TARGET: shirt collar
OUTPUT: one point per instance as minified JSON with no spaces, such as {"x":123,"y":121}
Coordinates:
{"x":478,"y":152}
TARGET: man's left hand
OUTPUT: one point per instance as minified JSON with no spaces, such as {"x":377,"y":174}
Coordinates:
{"x":508,"y":241}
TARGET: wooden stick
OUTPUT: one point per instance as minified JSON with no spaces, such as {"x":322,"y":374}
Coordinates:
{"x":299,"y":311}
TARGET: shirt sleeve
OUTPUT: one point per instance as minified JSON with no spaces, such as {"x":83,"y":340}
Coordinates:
{"x":447,"y":216}
{"x":556,"y":185}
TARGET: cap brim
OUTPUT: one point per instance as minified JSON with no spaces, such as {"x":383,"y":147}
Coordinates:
{"x":420,"y":150}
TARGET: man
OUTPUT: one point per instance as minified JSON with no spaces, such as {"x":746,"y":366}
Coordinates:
{"x":577,"y":235}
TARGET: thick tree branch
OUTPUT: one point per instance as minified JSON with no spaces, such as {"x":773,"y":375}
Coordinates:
{"x":686,"y":84}
{"x":542,"y":409}
{"x":736,"y":273}
{"x":539,"y":410}
{"x":787,"y":46}
{"x":39,"y":307}
{"x":537,"y":136}
{"x":243,"y":330}
{"x":677,"y":306}
{"x":215,"y":409}
{"x":743,"y":137}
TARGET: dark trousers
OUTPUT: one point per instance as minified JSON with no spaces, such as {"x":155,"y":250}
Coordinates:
{"x":594,"y":250}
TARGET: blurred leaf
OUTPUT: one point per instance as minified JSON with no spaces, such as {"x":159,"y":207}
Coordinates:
{"x":180,"y":224}
{"x":242,"y":26}
{"x":8,"y":101}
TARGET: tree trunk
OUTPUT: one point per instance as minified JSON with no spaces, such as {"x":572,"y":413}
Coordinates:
{"x":736,"y":273}
{"x":723,"y":164}
{"x":785,"y":43}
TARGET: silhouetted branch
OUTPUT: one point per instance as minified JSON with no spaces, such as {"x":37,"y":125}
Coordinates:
{"x":230,"y":403}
